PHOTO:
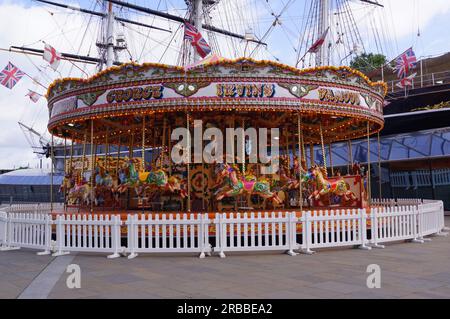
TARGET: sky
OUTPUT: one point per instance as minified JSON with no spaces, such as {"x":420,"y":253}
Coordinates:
{"x":389,"y":30}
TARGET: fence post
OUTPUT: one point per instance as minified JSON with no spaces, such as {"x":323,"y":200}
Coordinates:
{"x":132,"y":244}
{"x":60,"y":236}
{"x":441,"y":214}
{"x":417,"y":226}
{"x":374,"y":228}
{"x":115,"y":236}
{"x":440,"y":221}
{"x":47,"y":235}
{"x":291,"y":233}
{"x":201,"y":235}
{"x":363,"y":229}
{"x":307,"y":233}
{"x":4,"y":232}
{"x":223,"y":234}
{"x":8,"y":234}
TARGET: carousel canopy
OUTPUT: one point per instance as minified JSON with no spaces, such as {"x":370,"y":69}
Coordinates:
{"x":339,"y":101}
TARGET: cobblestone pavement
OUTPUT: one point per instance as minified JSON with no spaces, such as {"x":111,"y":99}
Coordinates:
{"x":408,"y":270}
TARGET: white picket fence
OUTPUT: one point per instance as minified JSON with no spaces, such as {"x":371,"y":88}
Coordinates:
{"x":388,"y":221}
{"x":87,"y":233}
{"x":148,"y":234}
{"x":393,"y":224}
{"x":250,"y":232}
{"x":28,"y":230}
{"x":335,"y":228}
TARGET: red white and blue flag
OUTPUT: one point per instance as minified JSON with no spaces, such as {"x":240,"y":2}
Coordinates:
{"x":34,"y":96}
{"x":319,"y":42}
{"x":405,"y":62}
{"x":197,"y":41}
{"x":52,"y":56}
{"x":10,"y":75}
{"x":407,"y":81}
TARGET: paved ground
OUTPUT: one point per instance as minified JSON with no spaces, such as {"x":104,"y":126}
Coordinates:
{"x":408,"y":270}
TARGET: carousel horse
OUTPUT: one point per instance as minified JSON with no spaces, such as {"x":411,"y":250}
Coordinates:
{"x":128,"y":177}
{"x":79,"y":194}
{"x":160,"y":180}
{"x":237,"y":185}
{"x":324,"y":189}
{"x":291,"y":183}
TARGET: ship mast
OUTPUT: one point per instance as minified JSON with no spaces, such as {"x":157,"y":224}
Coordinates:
{"x":324,"y":24}
{"x":196,"y":17}
{"x":110,"y":36}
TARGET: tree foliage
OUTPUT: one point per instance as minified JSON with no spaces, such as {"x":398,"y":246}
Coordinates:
{"x":367,"y":62}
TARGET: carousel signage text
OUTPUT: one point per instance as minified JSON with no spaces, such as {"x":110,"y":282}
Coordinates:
{"x":243,"y":90}
{"x":328,"y":95}
{"x":135,"y":94}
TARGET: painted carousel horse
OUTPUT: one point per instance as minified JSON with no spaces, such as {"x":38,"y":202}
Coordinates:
{"x":323,"y":189}
{"x":128,"y":177}
{"x":160,"y":180}
{"x":237,"y":185}
{"x":79,"y":194}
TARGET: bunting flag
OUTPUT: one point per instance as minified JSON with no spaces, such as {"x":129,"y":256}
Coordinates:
{"x":197,"y":41}
{"x":404,"y":63}
{"x":10,"y":75}
{"x":52,"y":56}
{"x":318,"y":44}
{"x":406,"y":81}
{"x":34,"y":96}
{"x":211,"y":59}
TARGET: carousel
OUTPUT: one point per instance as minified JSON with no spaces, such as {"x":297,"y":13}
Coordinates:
{"x":128,"y":116}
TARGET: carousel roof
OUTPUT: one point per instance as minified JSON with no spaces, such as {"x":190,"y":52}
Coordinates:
{"x":263,"y":93}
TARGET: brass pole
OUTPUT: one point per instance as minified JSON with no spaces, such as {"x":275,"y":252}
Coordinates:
{"x":169,"y":150}
{"x":65,"y":170}
{"x":350,"y":154}
{"x":188,"y":163}
{"x":92,"y":166}
{"x":323,"y":147}
{"x":130,"y":148}
{"x":303,"y":149}
{"x":163,"y":144}
{"x":106,"y":150}
{"x":379,"y":165}
{"x":71,"y":157}
{"x":287,"y":148}
{"x":118,"y":156}
{"x":84,"y":154}
{"x":368,"y":164}
{"x":243,"y":147}
{"x":299,"y":129}
{"x":331,"y":160}
{"x":51,"y":175}
{"x":143,"y":144}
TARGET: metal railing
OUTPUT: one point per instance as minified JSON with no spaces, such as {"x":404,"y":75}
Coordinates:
{"x":421,"y":81}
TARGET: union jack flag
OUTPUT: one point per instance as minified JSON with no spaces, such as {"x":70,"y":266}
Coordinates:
{"x":10,"y":75}
{"x":195,"y":38}
{"x":405,"y":62}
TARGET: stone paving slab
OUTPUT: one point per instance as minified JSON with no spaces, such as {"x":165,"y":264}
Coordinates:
{"x":408,"y":270}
